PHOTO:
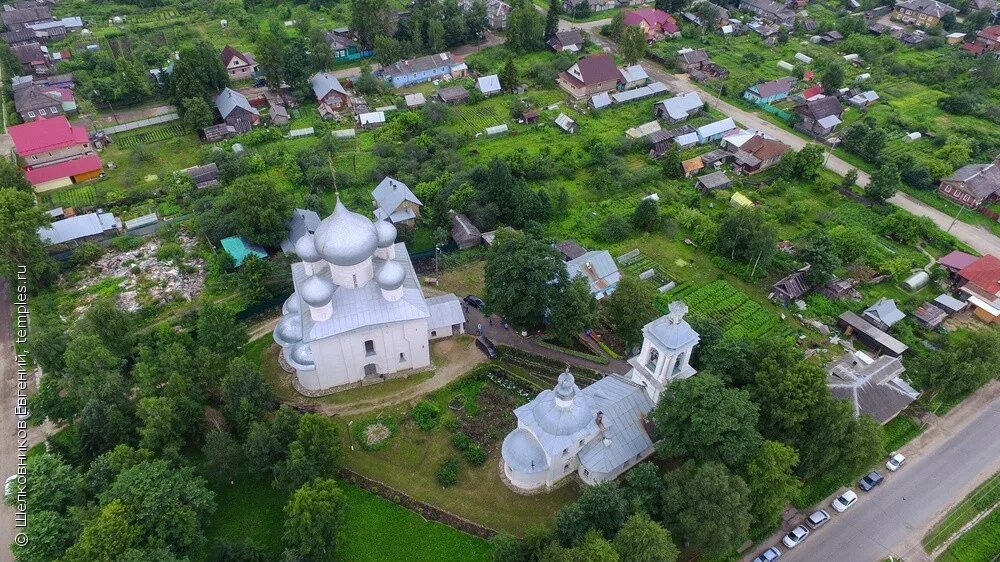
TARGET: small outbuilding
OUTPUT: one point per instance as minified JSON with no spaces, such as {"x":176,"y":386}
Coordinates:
{"x":488,"y":85}
{"x":465,"y":234}
{"x":565,"y":123}
{"x":240,"y":249}
{"x":714,"y":181}
{"x":454,"y":94}
{"x":929,"y":315}
{"x":415,"y":100}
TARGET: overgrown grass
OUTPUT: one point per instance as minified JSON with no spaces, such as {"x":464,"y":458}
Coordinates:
{"x":900,"y":431}
{"x":981,"y":543}
{"x":981,"y":499}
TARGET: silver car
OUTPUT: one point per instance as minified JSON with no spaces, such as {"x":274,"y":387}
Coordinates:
{"x":818,"y":519}
{"x":795,"y":537}
{"x":768,"y":555}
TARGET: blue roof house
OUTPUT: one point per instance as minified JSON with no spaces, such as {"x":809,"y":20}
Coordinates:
{"x":423,"y":69}
{"x":240,"y":249}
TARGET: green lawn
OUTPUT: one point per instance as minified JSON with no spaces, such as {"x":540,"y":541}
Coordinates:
{"x":374,"y":529}
{"x":981,"y":499}
{"x":981,"y":543}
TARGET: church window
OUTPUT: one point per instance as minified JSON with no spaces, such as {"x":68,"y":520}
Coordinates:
{"x":402,"y":357}
{"x":434,"y":333}
{"x":354,"y":276}
{"x":565,"y":468}
{"x":586,"y":472}
{"x":581,"y":442}
{"x":566,"y":451}
{"x":370,"y":347}
{"x":654,"y":356}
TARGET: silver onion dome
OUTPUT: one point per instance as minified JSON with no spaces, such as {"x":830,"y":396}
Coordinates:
{"x":291,"y":304}
{"x":346,"y":238}
{"x":305,"y":248}
{"x":289,"y":330}
{"x":317,"y":292}
{"x":303,"y":355}
{"x":386,"y":233}
{"x":391,"y":276}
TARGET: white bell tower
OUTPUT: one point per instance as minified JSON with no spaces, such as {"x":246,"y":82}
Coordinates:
{"x":667,"y":345}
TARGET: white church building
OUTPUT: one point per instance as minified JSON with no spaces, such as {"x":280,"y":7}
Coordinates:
{"x":358,"y":313}
{"x":601,"y":430}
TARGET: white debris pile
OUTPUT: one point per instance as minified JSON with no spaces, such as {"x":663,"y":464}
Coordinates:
{"x":147,"y":279}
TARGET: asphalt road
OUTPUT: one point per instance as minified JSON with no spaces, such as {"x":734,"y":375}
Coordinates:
{"x":942,"y":467}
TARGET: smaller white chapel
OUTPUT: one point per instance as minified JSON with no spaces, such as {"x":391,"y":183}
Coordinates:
{"x":358,"y":312}
{"x":601,"y":430}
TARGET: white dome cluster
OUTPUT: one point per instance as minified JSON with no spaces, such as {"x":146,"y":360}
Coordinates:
{"x":346,"y":238}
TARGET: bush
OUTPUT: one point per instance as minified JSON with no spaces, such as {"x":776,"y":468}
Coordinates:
{"x":88,"y":252}
{"x":171,"y":251}
{"x":475,"y":455}
{"x":427,"y":414}
{"x":447,"y":473}
{"x":126,"y":242}
{"x":461,"y":441}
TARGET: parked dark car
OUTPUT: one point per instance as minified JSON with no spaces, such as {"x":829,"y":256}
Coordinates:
{"x":475,"y":301}
{"x":871,"y":480}
{"x":487,"y":347}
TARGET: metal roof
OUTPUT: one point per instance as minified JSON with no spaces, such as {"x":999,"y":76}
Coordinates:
{"x":680,"y":106}
{"x":718,"y":127}
{"x":600,"y":100}
{"x":672,"y":332}
{"x":598,"y":267}
{"x":144,"y":220}
{"x":390,"y":193}
{"x":885,"y":311}
{"x":949,"y":303}
{"x":872,"y":385}
{"x":488,"y":84}
{"x":623,"y":405}
{"x":229,"y":99}
{"x":873,"y":334}
{"x":445,"y":311}
{"x":371,"y":118}
{"x":414,"y":100}
{"x":323,"y":83}
{"x":74,"y":228}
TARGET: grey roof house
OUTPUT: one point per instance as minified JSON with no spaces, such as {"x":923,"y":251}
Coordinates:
{"x":394,"y":201}
{"x":488,"y":85}
{"x":453,"y":94}
{"x":79,"y":228}
{"x":236,"y":110}
{"x":679,"y":107}
{"x":600,"y":270}
{"x":204,"y":176}
{"x":713,"y":181}
{"x":463,"y":232}
{"x":873,"y":386}
{"x":883,"y":314}
{"x":871,"y":336}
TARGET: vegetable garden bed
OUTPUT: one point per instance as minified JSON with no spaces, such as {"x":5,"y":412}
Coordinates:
{"x":730,"y":308}
{"x":150,"y":135}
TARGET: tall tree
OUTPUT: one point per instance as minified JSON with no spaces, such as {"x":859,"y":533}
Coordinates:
{"x":53,"y":485}
{"x":832,"y":78}
{"x":884,"y":183}
{"x":574,"y":310}
{"x":552,"y":18}
{"x":48,"y":536}
{"x":534,"y":264}
{"x":219,"y":331}
{"x":315,"y":453}
{"x":246,"y":395}
{"x":107,"y":536}
{"x":630,"y":308}
{"x":772,"y":482}
{"x":643,"y":540}
{"x":966,"y":361}
{"x":222,"y":455}
{"x":701,"y":419}
{"x":747,"y":235}
{"x":197,"y":113}
{"x":525,"y":28}
{"x":616,"y":29}
{"x":198,"y":73}
{"x":252,"y":207}
{"x":508,"y":76}
{"x":643,"y":487}
{"x":602,"y":508}
{"x":594,"y":548}
{"x":646,"y":216}
{"x":11,"y":177}
{"x":20,"y":246}
{"x":633,"y":44}
{"x":821,"y":255}
{"x":707,"y":506}
{"x":313,"y":519}
{"x":369,"y":19}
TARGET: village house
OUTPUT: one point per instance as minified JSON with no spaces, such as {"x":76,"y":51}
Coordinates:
{"x":55,"y":154}
{"x":488,"y":85}
{"x":599,"y":269}
{"x":721,"y":20}
{"x":691,"y":59}
{"x":956,"y":261}
{"x":344,"y":45}
{"x":769,"y":11}
{"x":870,"y":335}
{"x":395,"y":202}
{"x":790,"y":288}
{"x":716,"y":130}
{"x":303,"y":221}
{"x":819,"y":117}
{"x":656,"y":24}
{"x":358,"y":314}
{"x":32,"y":102}
{"x":572,"y":6}
{"x":330,"y":94}
{"x":238,"y":65}
{"x":634,"y":76}
{"x":590,"y":75}
{"x":599,"y":431}
{"x":884,"y":314}
{"x":987,"y":41}
{"x":32,"y":57}
{"x":203,"y":176}
{"x":980,"y":287}
{"x":873,"y":386}
{"x":453,"y":94}
{"x":758,"y":154}
{"x":714,"y":181}
{"x":922,"y":13}
{"x":77,"y":229}
{"x":463,"y":232}
{"x":679,"y":107}
{"x":496,"y":12}
{"x":929,"y":315}
{"x":424,"y":69}
{"x":20,"y":18}
{"x":236,"y":111}
{"x":863,"y":99}
{"x":570,"y":41}
{"x":768,"y":92}
{"x":973,"y":184}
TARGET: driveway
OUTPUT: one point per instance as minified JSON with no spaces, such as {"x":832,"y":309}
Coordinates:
{"x":943,"y":465}
{"x":980,"y":239}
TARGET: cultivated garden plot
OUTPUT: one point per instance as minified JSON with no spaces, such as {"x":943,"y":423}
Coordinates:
{"x":148,"y":136}
{"x":731,"y":309}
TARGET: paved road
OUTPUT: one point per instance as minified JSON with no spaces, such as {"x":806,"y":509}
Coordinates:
{"x":943,"y":466}
{"x":980,"y":239}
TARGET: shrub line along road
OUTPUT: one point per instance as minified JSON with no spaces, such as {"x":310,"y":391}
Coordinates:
{"x":977,"y":237}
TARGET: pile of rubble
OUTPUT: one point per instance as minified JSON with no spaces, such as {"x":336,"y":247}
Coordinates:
{"x":146,"y":279}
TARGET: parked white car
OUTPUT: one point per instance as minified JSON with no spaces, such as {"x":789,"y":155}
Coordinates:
{"x":795,"y":536}
{"x":895,"y":461}
{"x":9,"y":484}
{"x":844,"y":501}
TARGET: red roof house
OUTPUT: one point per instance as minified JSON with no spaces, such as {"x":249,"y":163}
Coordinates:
{"x":46,"y":135}
{"x":591,"y":75}
{"x":983,"y":275}
{"x":654,"y":22}
{"x":812,"y":91}
{"x":83,"y":168}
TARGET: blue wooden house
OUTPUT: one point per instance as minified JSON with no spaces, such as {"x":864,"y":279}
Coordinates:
{"x":770,"y":92}
{"x":424,"y":69}
{"x":344,"y":47}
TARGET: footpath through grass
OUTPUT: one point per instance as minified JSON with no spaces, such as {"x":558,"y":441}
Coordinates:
{"x":981,"y":499}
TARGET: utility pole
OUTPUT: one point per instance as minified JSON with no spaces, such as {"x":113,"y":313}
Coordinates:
{"x":961,"y":208}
